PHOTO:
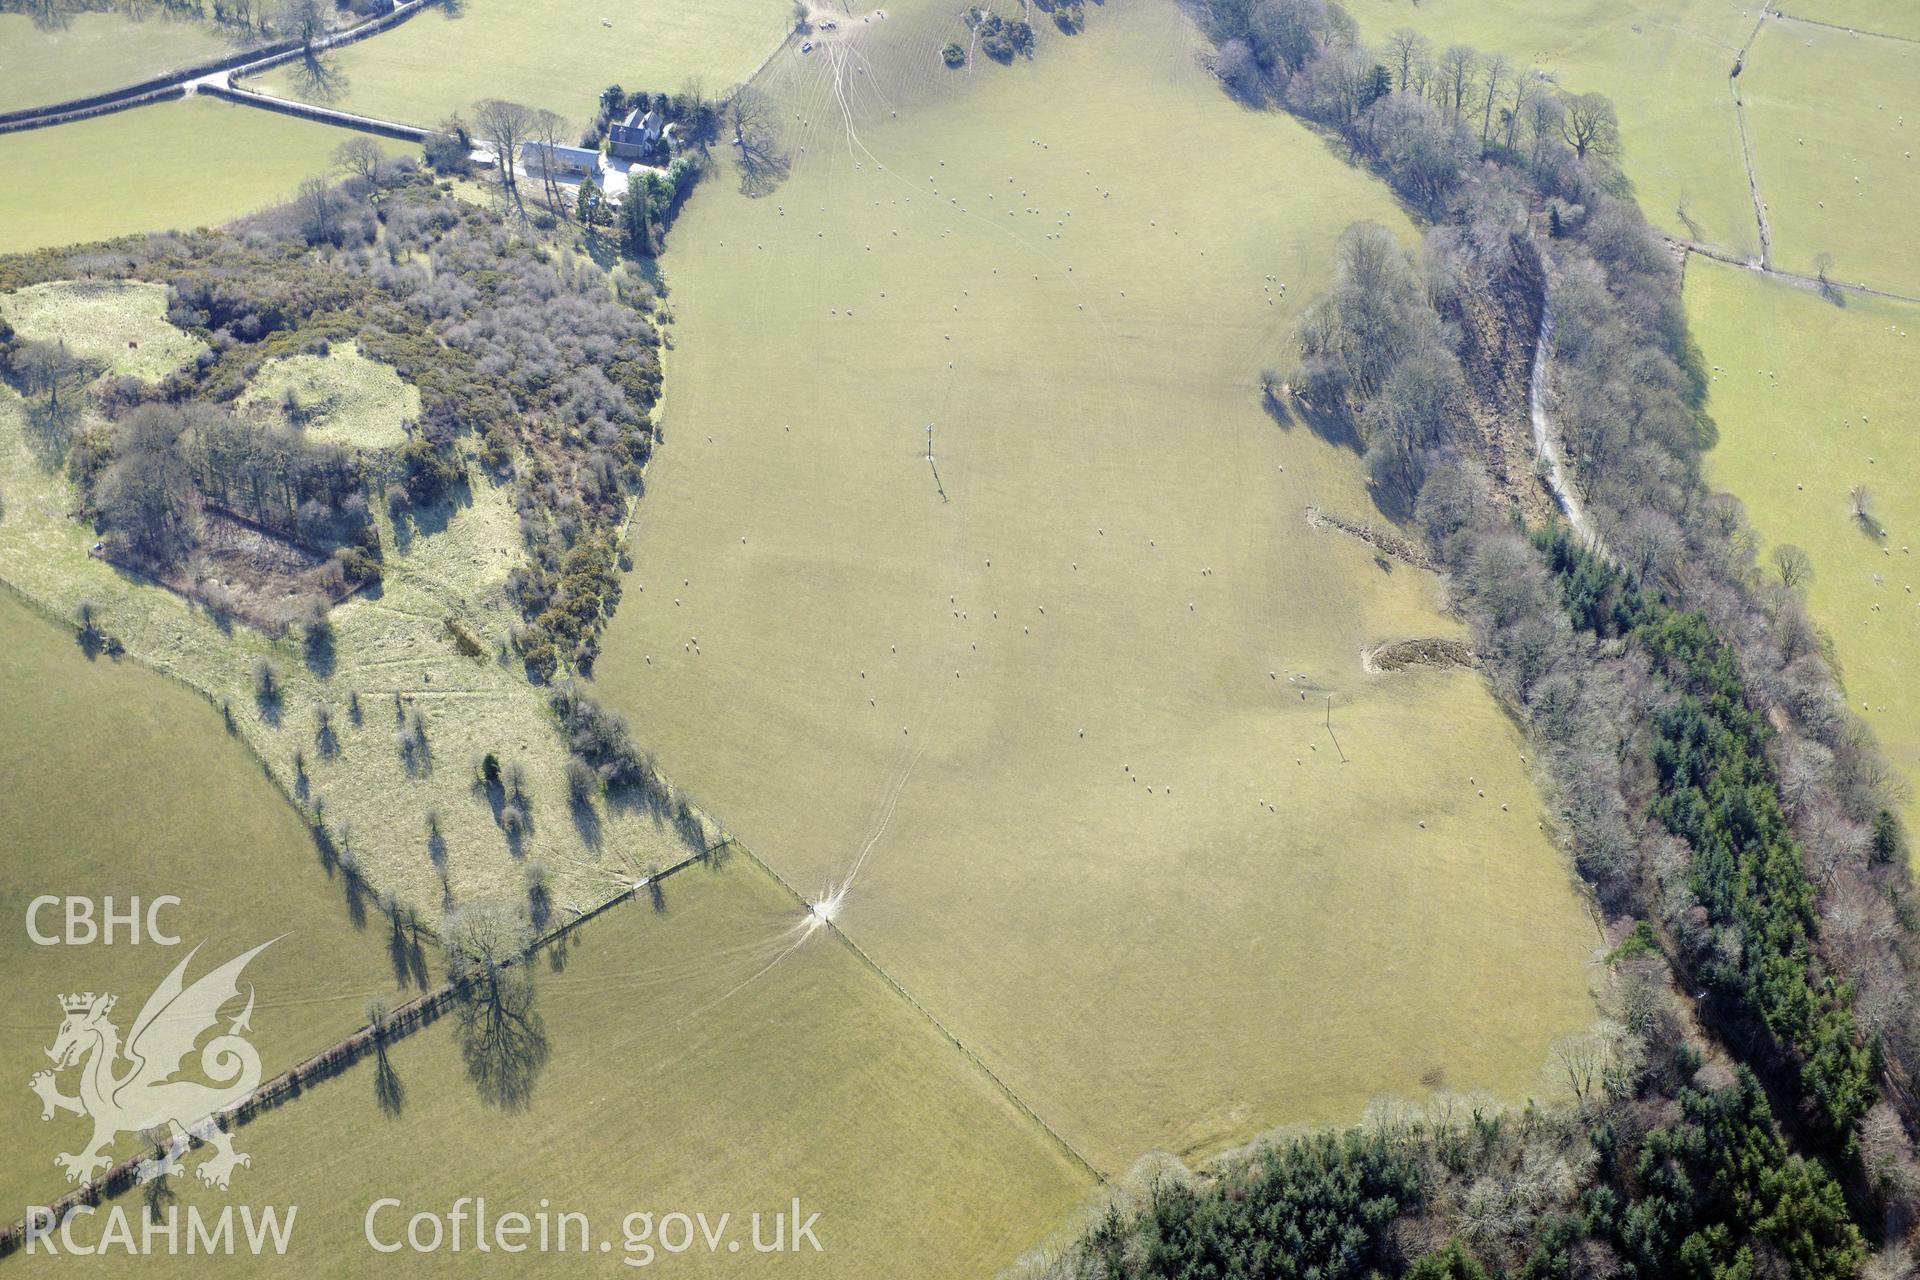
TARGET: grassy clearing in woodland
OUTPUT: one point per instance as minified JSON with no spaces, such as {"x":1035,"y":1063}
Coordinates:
{"x":92,"y":52}
{"x":198,"y":162}
{"x":121,"y":783}
{"x":341,"y":397}
{"x":556,"y":54}
{"x":1812,"y":401}
{"x":714,"y":1056}
{"x":1067,"y":727}
{"x":1664,"y":63}
{"x":1836,"y":122}
{"x":119,"y":323}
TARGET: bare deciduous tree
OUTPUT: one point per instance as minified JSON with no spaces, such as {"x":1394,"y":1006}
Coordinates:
{"x":319,"y":211}
{"x":1590,"y":126}
{"x":1793,"y":565}
{"x":506,"y":125}
{"x":1407,"y":50}
{"x":360,"y":157}
{"x":548,"y":130}
{"x":750,"y":120}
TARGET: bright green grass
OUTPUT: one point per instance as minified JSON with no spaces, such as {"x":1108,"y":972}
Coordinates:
{"x":393,"y":650}
{"x":168,"y":166}
{"x":122,"y":323}
{"x":1836,"y":120}
{"x":548,"y":53}
{"x":1836,"y":413}
{"x":122,"y":782}
{"x":1663,"y":62}
{"x":678,"y":1080}
{"x":94,"y":52}
{"x":1124,"y":555}
{"x":345,"y":398}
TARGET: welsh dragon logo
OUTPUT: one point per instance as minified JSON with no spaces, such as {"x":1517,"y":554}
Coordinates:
{"x":143,"y":1097}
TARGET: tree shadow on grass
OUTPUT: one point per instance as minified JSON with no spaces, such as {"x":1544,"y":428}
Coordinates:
{"x":1336,"y":429}
{"x":586,"y":821}
{"x":503,"y":1041}
{"x":51,"y":429}
{"x":320,"y":652}
{"x":387,"y":1088}
{"x":408,"y":957}
{"x":318,"y":77}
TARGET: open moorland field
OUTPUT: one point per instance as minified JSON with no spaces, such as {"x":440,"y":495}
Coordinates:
{"x":557,"y":54}
{"x":1835,"y":120}
{"x":183,"y":164}
{"x":92,"y":52}
{"x":1066,"y":727}
{"x":1663,"y":62}
{"x":682,"y":1073}
{"x":122,"y":783}
{"x":392,"y":656}
{"x":1811,"y":400}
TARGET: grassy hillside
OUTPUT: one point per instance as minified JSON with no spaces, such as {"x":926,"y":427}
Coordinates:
{"x":551,"y":53}
{"x":199,"y":162}
{"x":93,"y":52}
{"x":689,"y":1067}
{"x":1835,"y":121}
{"x":121,"y":782}
{"x":1066,"y":729}
{"x":1894,"y":17}
{"x":1811,"y":400}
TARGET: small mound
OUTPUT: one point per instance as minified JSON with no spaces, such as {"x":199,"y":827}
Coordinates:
{"x":1418,"y":651}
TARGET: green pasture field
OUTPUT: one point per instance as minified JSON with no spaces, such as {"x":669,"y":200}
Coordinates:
{"x":1891,"y":17}
{"x":122,"y":783}
{"x":1068,"y":728}
{"x":393,"y":650}
{"x":1836,"y":121}
{"x":555,"y":54}
{"x":344,"y":398}
{"x":1663,"y":62}
{"x":121,"y":323}
{"x":91,"y":53}
{"x":172,"y":165}
{"x":709,"y":1057}
{"x":1812,"y":399}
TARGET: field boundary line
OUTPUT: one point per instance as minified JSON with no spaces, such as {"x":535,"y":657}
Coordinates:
{"x":900,"y":990}
{"x":1791,"y":278}
{"x":1784,"y":16}
{"x":204,"y":74}
{"x":1746,"y":143}
{"x":421,"y":1011}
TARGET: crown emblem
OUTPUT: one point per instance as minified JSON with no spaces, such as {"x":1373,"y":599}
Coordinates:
{"x":81,"y":1003}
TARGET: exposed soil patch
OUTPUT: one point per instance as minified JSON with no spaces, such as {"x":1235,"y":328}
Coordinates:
{"x":1419,"y":651}
{"x":1498,"y":322}
{"x":1383,"y":540}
